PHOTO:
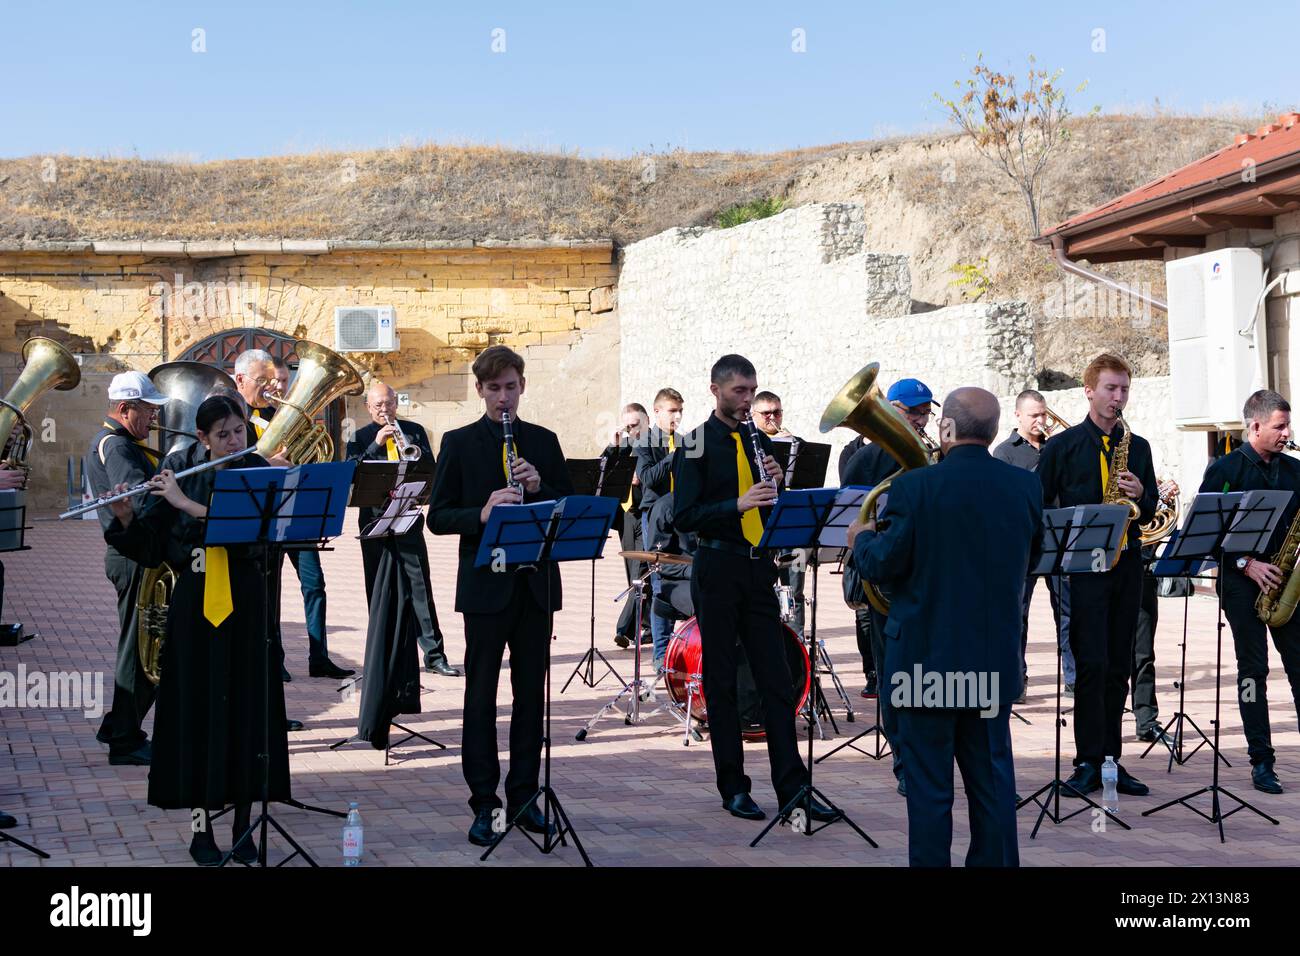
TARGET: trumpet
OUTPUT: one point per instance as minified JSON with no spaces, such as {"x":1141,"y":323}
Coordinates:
{"x":405,"y":450}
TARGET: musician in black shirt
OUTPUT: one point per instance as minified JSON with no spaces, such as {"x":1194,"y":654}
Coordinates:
{"x":1259,"y":464}
{"x":1075,"y":469}
{"x":722,"y":497}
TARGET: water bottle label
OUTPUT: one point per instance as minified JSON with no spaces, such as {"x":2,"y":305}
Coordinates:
{"x":352,"y":842}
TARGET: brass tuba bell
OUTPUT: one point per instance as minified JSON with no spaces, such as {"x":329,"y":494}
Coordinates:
{"x":48,"y":366}
{"x":861,"y":406}
{"x":323,"y":375}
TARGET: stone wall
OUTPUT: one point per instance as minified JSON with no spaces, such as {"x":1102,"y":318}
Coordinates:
{"x":550,"y":301}
{"x":799,"y":296}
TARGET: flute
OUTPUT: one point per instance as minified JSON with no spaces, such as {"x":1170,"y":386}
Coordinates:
{"x":106,"y":500}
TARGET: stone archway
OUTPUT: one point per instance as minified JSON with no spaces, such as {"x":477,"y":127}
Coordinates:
{"x":223,"y":348}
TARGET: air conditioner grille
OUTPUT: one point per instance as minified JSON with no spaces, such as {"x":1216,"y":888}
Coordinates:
{"x":358,"y":329}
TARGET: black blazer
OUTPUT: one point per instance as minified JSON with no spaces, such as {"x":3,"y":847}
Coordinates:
{"x":363,"y":448}
{"x":654,"y":465}
{"x":469,"y":470}
{"x":961,"y":538}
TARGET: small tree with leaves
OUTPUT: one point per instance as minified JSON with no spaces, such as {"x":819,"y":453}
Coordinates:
{"x":1016,"y":129}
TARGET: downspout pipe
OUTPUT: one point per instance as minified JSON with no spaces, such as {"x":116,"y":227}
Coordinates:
{"x":1083,"y":272}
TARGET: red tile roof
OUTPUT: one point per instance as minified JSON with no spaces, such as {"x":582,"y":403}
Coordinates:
{"x":1270,"y":142}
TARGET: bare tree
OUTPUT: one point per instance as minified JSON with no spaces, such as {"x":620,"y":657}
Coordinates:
{"x":1016,"y":129}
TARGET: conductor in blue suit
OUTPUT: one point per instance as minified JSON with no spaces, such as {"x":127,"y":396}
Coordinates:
{"x":955,"y":543}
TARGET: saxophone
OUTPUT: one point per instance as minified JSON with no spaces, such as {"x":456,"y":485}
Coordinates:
{"x":1274,"y":606}
{"x":1112,"y":495}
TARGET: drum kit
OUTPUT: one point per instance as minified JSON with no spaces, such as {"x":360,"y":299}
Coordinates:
{"x":683,"y":670}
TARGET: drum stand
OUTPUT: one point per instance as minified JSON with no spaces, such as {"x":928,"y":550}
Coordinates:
{"x":798,"y":811}
{"x":637,"y":689}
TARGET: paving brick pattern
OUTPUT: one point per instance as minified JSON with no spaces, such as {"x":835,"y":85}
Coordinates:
{"x":635,"y":794}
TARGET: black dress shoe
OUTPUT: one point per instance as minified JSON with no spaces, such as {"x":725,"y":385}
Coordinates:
{"x":327,"y":668}
{"x":622,"y":640}
{"x":1264,"y":779}
{"x":441,"y":667}
{"x":1130,"y":785}
{"x":136,"y":758}
{"x":820,"y":812}
{"x":481,"y":832}
{"x":284,"y":674}
{"x":103,"y":735}
{"x":245,"y":851}
{"x":205,"y":852}
{"x":7,"y":822}
{"x":742,"y":805}
{"x":291,"y":725}
{"x":531,"y":820}
{"x":1085,"y":779}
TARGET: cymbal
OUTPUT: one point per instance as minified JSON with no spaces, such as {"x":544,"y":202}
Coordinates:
{"x":656,"y":557}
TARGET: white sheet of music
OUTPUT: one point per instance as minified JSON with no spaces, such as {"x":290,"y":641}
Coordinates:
{"x":401,"y":512}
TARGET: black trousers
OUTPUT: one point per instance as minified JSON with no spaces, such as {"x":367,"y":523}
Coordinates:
{"x":1145,"y":710}
{"x":629,"y":538}
{"x":1251,"y":644}
{"x":415,"y":565}
{"x":1103,"y":619}
{"x":133,"y":693}
{"x":862,"y":626}
{"x":888,"y":712}
{"x":735,"y":603}
{"x":524,"y":627}
{"x":931,"y":739}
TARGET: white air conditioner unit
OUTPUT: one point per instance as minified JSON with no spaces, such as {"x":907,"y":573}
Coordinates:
{"x":369,"y":328}
{"x":1213,"y":367}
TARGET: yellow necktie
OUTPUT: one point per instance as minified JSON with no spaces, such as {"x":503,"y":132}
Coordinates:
{"x":751,"y":522}
{"x":259,"y":424}
{"x":217,"y":603}
{"x":672,"y":447}
{"x":148,"y":452}
{"x":1105,"y":469}
{"x":504,"y":461}
{"x":391,"y":447}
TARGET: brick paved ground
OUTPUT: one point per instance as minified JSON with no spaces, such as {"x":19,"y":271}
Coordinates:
{"x":636,"y":795}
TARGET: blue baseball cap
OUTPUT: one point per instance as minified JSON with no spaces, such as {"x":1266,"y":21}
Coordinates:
{"x":910,"y":392}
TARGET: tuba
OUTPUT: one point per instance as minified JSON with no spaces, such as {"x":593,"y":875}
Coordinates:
{"x":48,"y":365}
{"x":861,"y":406}
{"x":186,"y":385}
{"x":323,"y":375}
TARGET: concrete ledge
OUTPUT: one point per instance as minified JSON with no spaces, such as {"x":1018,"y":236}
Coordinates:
{"x":203,"y":249}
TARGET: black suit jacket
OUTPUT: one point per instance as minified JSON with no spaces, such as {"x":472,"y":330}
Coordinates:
{"x":654,"y":466}
{"x":363,"y":448}
{"x":961,"y":538}
{"x":469,"y":470}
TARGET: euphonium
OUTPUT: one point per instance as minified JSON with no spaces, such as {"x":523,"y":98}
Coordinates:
{"x":48,"y":365}
{"x":1276,"y":605}
{"x":186,"y":385}
{"x":861,"y":406}
{"x":323,"y":375}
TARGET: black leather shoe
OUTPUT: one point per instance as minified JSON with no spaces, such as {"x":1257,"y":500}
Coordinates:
{"x":442,"y":668}
{"x":622,"y":641}
{"x":284,"y":674}
{"x":531,"y":820}
{"x":136,"y":758}
{"x":1264,"y":779}
{"x":1151,"y":734}
{"x":291,"y":725}
{"x":1085,"y":779}
{"x":103,"y":736}
{"x":742,"y":805}
{"x":327,"y":668}
{"x":246,"y":851}
{"x":481,"y":832}
{"x":822,"y":813}
{"x":205,"y":852}
{"x":7,"y":822}
{"x":1130,"y":785}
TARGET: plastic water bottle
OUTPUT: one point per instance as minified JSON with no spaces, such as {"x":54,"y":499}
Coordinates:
{"x":353,"y":837}
{"x":1109,"y":783}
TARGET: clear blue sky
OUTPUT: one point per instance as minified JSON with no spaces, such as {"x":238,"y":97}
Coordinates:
{"x":609,"y":78}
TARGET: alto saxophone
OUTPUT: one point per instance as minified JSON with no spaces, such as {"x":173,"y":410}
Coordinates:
{"x":1274,"y":606}
{"x":1112,"y":495}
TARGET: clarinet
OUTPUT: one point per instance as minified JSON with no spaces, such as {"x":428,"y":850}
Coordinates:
{"x":752,"y":429}
{"x":508,"y":433}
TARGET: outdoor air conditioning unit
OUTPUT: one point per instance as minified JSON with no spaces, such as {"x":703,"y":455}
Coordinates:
{"x":369,"y":328}
{"x":1213,"y":366}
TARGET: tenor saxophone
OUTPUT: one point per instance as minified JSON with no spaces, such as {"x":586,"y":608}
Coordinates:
{"x":1274,"y":606}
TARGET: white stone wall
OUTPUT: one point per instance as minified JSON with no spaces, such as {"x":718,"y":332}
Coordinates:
{"x":799,"y":296}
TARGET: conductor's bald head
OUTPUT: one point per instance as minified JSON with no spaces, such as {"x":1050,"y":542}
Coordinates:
{"x":970,"y":417}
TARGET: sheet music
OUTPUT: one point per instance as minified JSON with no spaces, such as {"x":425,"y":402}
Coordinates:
{"x":401,"y":512}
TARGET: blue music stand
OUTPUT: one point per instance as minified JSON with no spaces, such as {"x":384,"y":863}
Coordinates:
{"x":271,"y":509}
{"x":797,"y":521}
{"x":532,"y":536}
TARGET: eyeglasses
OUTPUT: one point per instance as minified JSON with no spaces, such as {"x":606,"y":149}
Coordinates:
{"x":775,"y":413}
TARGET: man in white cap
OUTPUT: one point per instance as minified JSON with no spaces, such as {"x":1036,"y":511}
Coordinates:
{"x":119,"y":453}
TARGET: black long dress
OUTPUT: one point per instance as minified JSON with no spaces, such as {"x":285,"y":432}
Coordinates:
{"x":208,"y":723}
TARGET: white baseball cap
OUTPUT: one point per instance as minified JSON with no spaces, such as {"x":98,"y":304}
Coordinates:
{"x":134,"y":387}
